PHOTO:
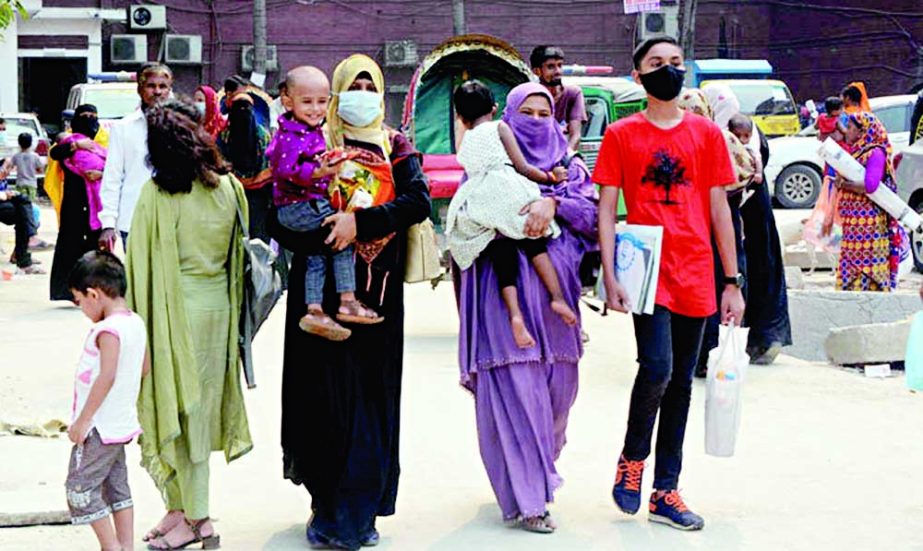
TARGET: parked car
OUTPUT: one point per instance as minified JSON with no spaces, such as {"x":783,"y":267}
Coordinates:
{"x":794,"y":173}
{"x":114,"y":95}
{"x":909,"y":175}
{"x":19,"y":123}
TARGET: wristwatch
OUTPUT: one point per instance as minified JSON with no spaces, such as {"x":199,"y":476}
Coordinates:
{"x":737,"y":281}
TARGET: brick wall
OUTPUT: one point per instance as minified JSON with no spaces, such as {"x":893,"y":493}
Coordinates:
{"x":815,"y":49}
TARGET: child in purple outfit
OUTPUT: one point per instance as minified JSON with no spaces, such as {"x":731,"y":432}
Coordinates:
{"x":303,"y":169}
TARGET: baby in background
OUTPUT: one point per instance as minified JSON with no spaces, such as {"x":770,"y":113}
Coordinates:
{"x":829,"y":124}
{"x":742,"y":127}
{"x":105,"y":416}
{"x":303,"y":170}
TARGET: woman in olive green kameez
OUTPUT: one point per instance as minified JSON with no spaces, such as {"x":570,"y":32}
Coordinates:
{"x":185,"y":278}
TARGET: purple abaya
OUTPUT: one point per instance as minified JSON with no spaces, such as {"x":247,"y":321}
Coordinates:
{"x":523,"y":396}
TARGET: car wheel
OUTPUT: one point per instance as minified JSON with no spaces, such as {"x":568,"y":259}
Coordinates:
{"x":916,"y":243}
{"x":798,"y":186}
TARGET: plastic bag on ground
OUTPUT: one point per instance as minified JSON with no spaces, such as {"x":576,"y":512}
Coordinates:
{"x":727,"y":369}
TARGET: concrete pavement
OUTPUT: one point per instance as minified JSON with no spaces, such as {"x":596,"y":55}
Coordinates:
{"x":826,"y":458}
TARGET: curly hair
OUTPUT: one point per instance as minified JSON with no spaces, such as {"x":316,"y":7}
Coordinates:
{"x":180,"y":150}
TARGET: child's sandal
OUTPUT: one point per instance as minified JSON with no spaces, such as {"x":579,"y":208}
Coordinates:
{"x":320,"y":324}
{"x":356,"y":312}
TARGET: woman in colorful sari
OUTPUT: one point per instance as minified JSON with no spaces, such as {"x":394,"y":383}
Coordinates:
{"x":523,"y":396}
{"x":870,"y":250}
{"x":75,"y":198}
{"x":185,"y":279}
{"x":341,"y":401}
{"x":206,"y":101}
{"x":243,"y":143}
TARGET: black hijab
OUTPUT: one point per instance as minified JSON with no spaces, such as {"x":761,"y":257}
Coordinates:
{"x":83,"y":124}
{"x":243,"y":148}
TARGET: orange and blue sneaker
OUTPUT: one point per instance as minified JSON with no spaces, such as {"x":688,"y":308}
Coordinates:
{"x":668,"y":508}
{"x":627,"y":489}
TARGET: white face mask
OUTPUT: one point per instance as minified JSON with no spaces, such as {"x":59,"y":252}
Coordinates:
{"x":200,"y":107}
{"x":2,"y":139}
{"x":360,"y":108}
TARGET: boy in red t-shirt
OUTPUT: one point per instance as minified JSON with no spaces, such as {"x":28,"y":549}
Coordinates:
{"x":672,"y":167}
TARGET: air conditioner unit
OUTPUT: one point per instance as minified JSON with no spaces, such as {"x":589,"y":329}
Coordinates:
{"x":401,"y":53}
{"x":128,"y":49}
{"x":658,"y":23}
{"x":183,"y":49}
{"x":247,"y":54}
{"x":147,"y":18}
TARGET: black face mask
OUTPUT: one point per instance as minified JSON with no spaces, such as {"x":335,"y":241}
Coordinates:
{"x":665,"y":83}
{"x":88,"y":126}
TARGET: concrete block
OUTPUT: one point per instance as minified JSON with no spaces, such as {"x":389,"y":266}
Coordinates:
{"x":798,"y":255}
{"x":814,"y":313}
{"x":794,"y":278}
{"x":790,"y":232}
{"x":868,"y":344}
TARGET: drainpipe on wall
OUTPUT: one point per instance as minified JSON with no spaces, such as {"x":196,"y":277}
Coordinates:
{"x":458,"y":17}
{"x":259,"y":36}
{"x":687,"y":13}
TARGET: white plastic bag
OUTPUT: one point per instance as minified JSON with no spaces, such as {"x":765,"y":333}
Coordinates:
{"x":727,"y":368}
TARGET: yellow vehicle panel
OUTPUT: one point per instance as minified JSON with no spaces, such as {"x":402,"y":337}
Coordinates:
{"x":769,"y":102}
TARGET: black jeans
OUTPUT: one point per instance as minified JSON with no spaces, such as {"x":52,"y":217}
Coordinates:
{"x":668,"y":346}
{"x":17,"y":212}
{"x":503,"y":256}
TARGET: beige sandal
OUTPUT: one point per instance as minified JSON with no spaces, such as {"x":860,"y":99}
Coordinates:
{"x":317,"y":322}
{"x":354,"y":311}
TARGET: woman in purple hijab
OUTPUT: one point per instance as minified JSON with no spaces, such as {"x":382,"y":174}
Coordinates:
{"x":523,"y":395}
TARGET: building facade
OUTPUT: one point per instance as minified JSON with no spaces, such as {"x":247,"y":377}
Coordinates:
{"x":816,"y":46}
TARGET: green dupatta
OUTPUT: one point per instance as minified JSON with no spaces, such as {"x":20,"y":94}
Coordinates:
{"x":171,"y":391}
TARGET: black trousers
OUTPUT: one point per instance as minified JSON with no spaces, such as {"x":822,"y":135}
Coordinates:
{"x":502,"y":254}
{"x":17,"y":212}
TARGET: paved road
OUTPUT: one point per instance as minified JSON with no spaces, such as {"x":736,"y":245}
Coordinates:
{"x":827,"y":459}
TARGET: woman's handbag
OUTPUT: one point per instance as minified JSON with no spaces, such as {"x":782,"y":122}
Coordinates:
{"x":422,"y":253}
{"x":262,"y":289}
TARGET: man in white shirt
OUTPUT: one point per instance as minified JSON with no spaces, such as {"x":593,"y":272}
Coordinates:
{"x":276,"y":108}
{"x":127,"y":169}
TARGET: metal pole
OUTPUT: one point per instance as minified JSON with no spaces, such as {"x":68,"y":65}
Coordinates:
{"x":687,"y":27}
{"x":259,"y":36}
{"x":458,"y":17}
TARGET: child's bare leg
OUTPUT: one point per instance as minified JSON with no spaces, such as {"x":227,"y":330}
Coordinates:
{"x":125,"y":527}
{"x":504,"y":258}
{"x":549,"y":277}
{"x":106,"y":534}
{"x":521,"y":334}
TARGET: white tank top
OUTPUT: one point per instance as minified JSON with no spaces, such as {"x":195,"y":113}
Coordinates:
{"x":116,"y":420}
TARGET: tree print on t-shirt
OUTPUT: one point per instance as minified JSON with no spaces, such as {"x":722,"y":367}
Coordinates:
{"x":665,"y":171}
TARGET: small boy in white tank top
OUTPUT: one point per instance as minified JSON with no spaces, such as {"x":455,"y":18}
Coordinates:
{"x":104,"y":415}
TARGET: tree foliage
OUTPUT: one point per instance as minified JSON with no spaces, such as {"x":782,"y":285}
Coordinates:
{"x":8,"y":10}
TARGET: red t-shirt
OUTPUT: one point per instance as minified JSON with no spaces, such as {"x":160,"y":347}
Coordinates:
{"x":666,"y":178}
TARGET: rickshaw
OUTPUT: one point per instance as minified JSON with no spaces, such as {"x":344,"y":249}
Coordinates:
{"x":429,"y":116}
